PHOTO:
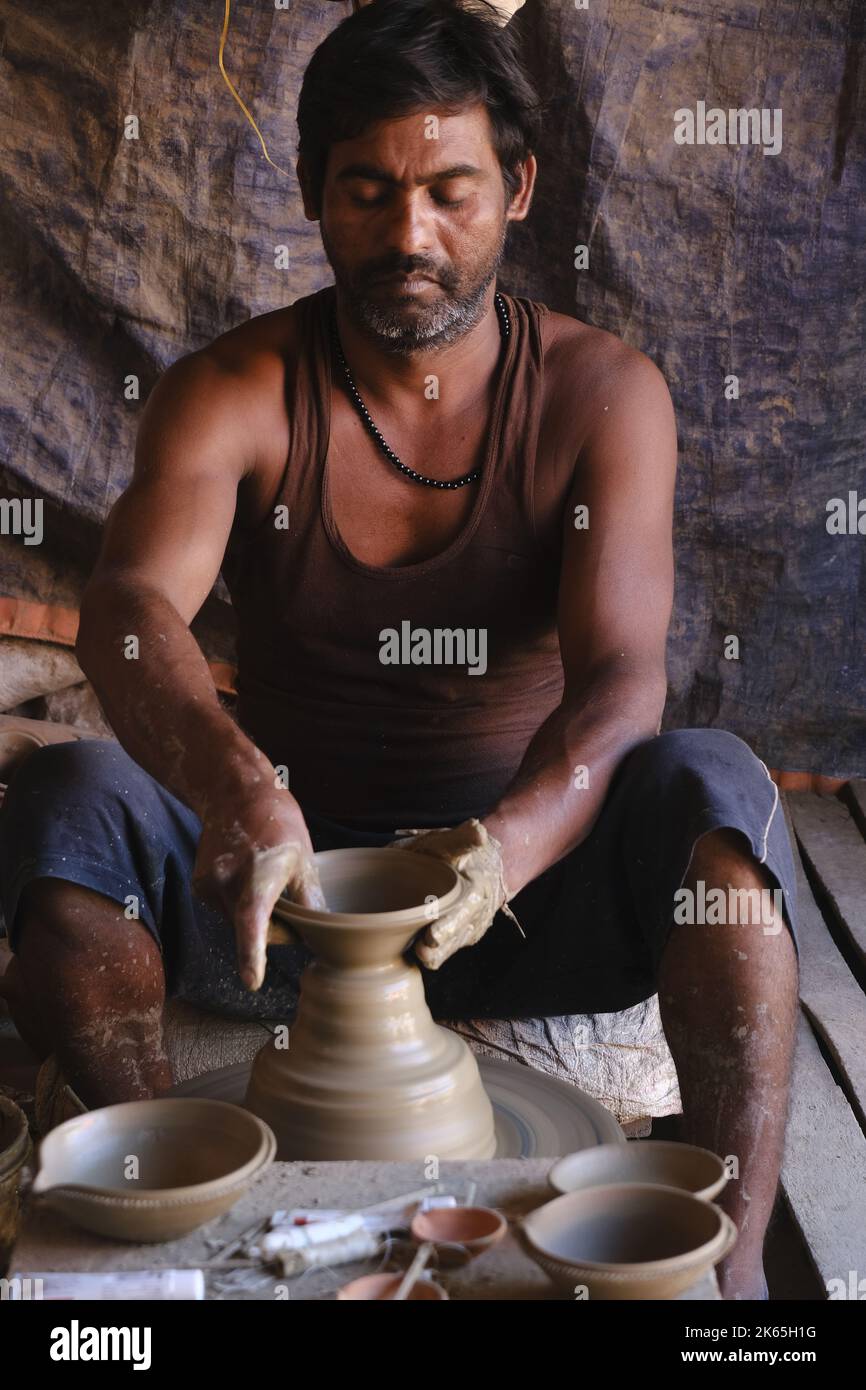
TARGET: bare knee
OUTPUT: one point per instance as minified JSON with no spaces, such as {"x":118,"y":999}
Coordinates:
{"x":70,"y":937}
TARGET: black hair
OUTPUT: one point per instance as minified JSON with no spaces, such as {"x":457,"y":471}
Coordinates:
{"x":397,"y":56}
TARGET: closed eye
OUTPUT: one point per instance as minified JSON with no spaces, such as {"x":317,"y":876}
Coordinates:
{"x":382,"y":198}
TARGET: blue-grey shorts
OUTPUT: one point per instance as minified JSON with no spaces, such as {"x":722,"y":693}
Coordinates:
{"x":595,"y":924}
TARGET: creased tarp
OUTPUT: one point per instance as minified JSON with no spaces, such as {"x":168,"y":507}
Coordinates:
{"x":621,"y":1059}
{"x":119,"y":256}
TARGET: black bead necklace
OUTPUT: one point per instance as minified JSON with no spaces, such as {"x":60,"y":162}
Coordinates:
{"x":505,"y":329}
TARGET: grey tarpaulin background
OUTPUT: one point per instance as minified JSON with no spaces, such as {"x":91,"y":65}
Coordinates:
{"x":119,"y":256}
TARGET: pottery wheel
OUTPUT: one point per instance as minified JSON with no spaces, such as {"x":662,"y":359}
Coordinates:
{"x":536,"y":1115}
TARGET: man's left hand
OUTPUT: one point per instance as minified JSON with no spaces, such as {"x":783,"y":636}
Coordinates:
{"x":477,"y":856}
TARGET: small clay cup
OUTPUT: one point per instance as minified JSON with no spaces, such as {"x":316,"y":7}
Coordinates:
{"x":661,"y":1161}
{"x":195,"y":1159}
{"x":628,"y":1241}
{"x":382,"y":1288}
{"x":459,"y":1234}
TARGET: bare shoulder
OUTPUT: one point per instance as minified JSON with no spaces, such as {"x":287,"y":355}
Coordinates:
{"x":220,"y":412}
{"x":234,"y":387}
{"x":249,"y":360}
{"x":258,"y":343}
{"x":590,"y":373}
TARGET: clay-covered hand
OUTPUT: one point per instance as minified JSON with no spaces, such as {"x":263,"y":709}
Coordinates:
{"x":477,"y":856}
{"x":250,"y":852}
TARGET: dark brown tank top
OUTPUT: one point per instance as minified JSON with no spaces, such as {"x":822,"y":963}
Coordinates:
{"x":350,"y":675}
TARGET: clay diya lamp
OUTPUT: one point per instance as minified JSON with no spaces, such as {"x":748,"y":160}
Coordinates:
{"x":661,"y":1161}
{"x":367,"y":1074}
{"x":628,"y":1240}
{"x":459,"y":1234}
{"x":382,"y":1287}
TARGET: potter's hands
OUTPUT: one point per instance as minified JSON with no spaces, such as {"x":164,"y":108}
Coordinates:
{"x":253,"y":848}
{"x":477,"y":856}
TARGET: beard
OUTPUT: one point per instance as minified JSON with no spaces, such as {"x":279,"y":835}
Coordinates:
{"x":415,"y":326}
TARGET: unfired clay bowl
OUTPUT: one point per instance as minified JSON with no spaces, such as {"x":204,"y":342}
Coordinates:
{"x":654,"y":1160}
{"x":628,"y":1240}
{"x":459,"y":1234}
{"x":194,"y":1160}
{"x":382,"y":1288}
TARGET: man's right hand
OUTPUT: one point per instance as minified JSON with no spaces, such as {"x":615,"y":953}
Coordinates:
{"x":252,"y":849}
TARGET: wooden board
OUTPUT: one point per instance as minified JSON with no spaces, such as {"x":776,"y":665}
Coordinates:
{"x":824,"y":1167}
{"x":855,"y":795}
{"x":836,"y":852}
{"x":835,"y":1003}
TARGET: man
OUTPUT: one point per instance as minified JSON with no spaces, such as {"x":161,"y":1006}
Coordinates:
{"x":444,"y":515}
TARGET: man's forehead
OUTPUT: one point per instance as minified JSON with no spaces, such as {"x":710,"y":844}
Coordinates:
{"x":419,"y":144}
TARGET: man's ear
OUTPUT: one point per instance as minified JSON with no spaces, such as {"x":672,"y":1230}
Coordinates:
{"x":522,"y":197}
{"x":311,"y":209}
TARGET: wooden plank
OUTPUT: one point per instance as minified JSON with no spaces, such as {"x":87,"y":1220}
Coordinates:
{"x":824,"y":1167}
{"x":829,"y":992}
{"x":855,"y":796}
{"x":836,"y":852}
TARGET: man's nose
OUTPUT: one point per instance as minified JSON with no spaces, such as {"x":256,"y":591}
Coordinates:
{"x":409,"y":228}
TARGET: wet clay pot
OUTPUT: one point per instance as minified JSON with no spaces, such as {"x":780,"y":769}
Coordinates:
{"x":367,"y":1073}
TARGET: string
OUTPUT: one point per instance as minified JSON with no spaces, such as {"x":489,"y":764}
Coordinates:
{"x":236,"y":94}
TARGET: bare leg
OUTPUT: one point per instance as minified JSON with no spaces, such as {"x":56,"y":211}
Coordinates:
{"x":728,"y":997}
{"x":88,"y":985}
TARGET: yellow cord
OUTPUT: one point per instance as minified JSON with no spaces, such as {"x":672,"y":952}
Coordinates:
{"x":237,"y":96}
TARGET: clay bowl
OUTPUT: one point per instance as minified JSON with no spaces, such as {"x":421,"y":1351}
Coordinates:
{"x":195,"y":1159}
{"x":628,"y":1240}
{"x":376,"y":899}
{"x":459,"y":1234}
{"x":655,"y":1160}
{"x":382,"y":1287}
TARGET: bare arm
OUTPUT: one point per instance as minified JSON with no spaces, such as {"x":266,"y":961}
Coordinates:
{"x":163,"y":547}
{"x":616,"y":594}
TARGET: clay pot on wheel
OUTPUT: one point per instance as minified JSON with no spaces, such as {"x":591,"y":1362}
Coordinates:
{"x":367,"y":1073}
